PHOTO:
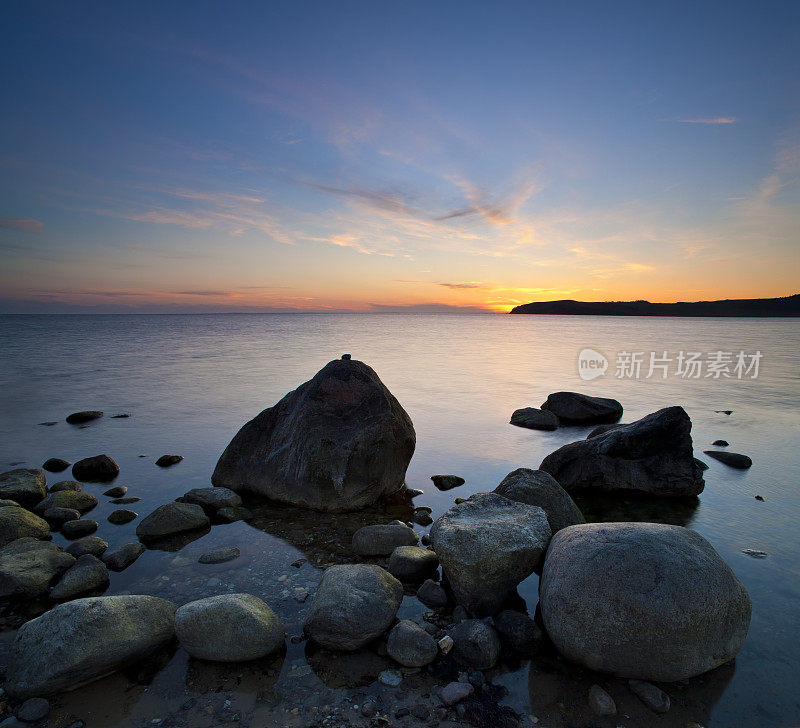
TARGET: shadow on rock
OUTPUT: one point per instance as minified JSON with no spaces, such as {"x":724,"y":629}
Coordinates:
{"x":177,"y":541}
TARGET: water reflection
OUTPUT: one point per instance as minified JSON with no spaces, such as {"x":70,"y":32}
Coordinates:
{"x":346,"y":669}
{"x":611,"y":507}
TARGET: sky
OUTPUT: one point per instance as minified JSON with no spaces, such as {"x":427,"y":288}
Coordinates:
{"x":396,"y":156}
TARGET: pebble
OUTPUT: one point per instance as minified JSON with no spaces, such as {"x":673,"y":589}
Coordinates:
{"x":601,"y":702}
{"x":298,"y":563}
{"x":33,"y":710}
{"x":392,"y":678}
{"x":220,"y":555}
{"x":654,"y":698}
{"x":369,"y":709}
{"x":455,"y":692}
{"x":446,"y":644}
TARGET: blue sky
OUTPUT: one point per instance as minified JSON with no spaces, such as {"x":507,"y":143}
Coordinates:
{"x":373,"y":156}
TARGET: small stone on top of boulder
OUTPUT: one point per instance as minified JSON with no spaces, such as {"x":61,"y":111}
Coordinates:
{"x":573,"y":408}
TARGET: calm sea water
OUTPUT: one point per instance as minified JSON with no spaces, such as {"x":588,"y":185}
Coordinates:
{"x":189,"y":382}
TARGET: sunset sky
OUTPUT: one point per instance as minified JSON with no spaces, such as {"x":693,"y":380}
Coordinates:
{"x":167,"y":156}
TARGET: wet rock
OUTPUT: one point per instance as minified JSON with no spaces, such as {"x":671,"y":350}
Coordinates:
{"x":17,"y":522}
{"x":339,"y":442}
{"x":76,"y":500}
{"x":720,"y":443}
{"x":446,"y":644}
{"x":518,"y":631}
{"x":534,"y":419}
{"x":29,"y":566}
{"x":354,"y":604}
{"x":100,"y":468}
{"x":455,"y":692}
{"x":172,"y":518}
{"x":654,"y":698}
{"x":642,"y":600}
{"x":79,"y":528}
{"x":652,"y":455}
{"x":25,"y":486}
{"x":724,"y":412}
{"x":447,"y":482}
{"x":423,"y":518}
{"x":573,"y":408}
{"x":212,"y":499}
{"x":602,"y":429}
{"x":4,"y":502}
{"x":57,"y":517}
{"x":121,"y":558}
{"x":410,"y":645}
{"x":475,"y":644}
{"x":122,"y":516}
{"x":87,"y":574}
{"x":231,"y":515}
{"x":382,"y":540}
{"x":487,"y":546}
{"x":392,"y":678}
{"x":80,"y":418}
{"x":55,"y":465}
{"x":759,"y":498}
{"x":600,"y":702}
{"x":731,"y":459}
{"x":220,"y":555}
{"x":166,"y":460}
{"x":33,"y":710}
{"x":91,"y":637}
{"x":538,"y":488}
{"x":93,"y":545}
{"x":700,"y":464}
{"x":755,"y":553}
{"x":426,"y":539}
{"x":432,"y":595}
{"x":65,"y":485}
{"x":126,"y":500}
{"x":229,"y":628}
{"x":116,"y":492}
{"x":412,"y":563}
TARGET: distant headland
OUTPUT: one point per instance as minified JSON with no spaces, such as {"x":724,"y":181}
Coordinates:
{"x":787,"y":306}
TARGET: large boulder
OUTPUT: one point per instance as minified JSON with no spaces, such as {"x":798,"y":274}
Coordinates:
{"x":25,"y":486}
{"x":486,"y":546}
{"x":642,"y":600}
{"x":354,"y":604}
{"x":339,"y":442}
{"x":170,"y":519}
{"x":573,"y":408}
{"x":17,"y":522}
{"x":382,"y":539}
{"x":228,"y":628}
{"x":538,"y":488}
{"x":86,"y":639}
{"x":28,"y":567}
{"x":652,"y":455}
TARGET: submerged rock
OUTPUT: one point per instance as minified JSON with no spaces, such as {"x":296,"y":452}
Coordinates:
{"x":731,"y":459}
{"x":100,"y":468}
{"x":212,"y":499}
{"x":87,"y":574}
{"x":76,"y":500}
{"x":486,"y":546}
{"x":166,"y":460}
{"x":172,"y":518}
{"x":65,"y":485}
{"x":534,"y":419}
{"x":29,"y":566}
{"x":652,"y":455}
{"x":231,"y":515}
{"x":56,"y":465}
{"x":475,"y":644}
{"x":573,"y":408}
{"x":538,"y":488}
{"x":80,"y":418}
{"x":410,"y":645}
{"x":220,"y":555}
{"x":92,"y":637}
{"x":412,"y":563}
{"x":339,"y":442}
{"x":229,"y":628}
{"x":642,"y":600}
{"x":354,"y":604}
{"x":25,"y":486}
{"x":121,"y":558}
{"x":17,"y":522}
{"x":382,"y":540}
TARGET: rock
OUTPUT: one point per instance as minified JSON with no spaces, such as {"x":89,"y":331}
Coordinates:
{"x":432,"y":595}
{"x":447,"y":482}
{"x":652,"y":455}
{"x":78,"y":528}
{"x":392,"y":678}
{"x":382,"y":540}
{"x":121,"y":558}
{"x":423,"y":518}
{"x":642,"y":600}
{"x":65,"y":485}
{"x":700,"y":464}
{"x":759,"y":498}
{"x":231,"y":515}
{"x":720,"y":443}
{"x":121,"y":416}
{"x":354,"y":604}
{"x":475,"y":644}
{"x":724,"y":412}
{"x":116,"y":492}
{"x":126,"y":500}
{"x":57,"y":517}
{"x":91,"y":638}
{"x":228,"y":628}
{"x":446,"y":644}
{"x":80,"y":418}
{"x":534,"y":419}
{"x":25,"y":486}
{"x":33,"y":710}
{"x":455,"y":692}
{"x":55,"y":465}
{"x":573,"y":408}
{"x":212,"y":499}
{"x":87,"y":574}
{"x":755,"y":553}
{"x":17,"y":522}
{"x":731,"y":459}
{"x":166,"y":460}
{"x":602,"y":429}
{"x":538,"y":488}
{"x":654,"y":698}
{"x":339,"y":442}
{"x":122,"y":516}
{"x":76,"y":500}
{"x":93,"y":545}
{"x":100,"y":468}
{"x":410,"y":645}
{"x":487,"y":546}
{"x":412,"y":563}
{"x":600,"y":702}
{"x":518,"y":631}
{"x":220,"y":555}
{"x":4,"y":502}
{"x":172,"y":518}
{"x":28,"y":566}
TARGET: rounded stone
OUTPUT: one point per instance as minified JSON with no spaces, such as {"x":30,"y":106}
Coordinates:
{"x":410,"y":645}
{"x":17,"y":522}
{"x":78,"y":528}
{"x":93,"y":545}
{"x":100,"y":468}
{"x":172,"y":518}
{"x":412,"y":563}
{"x":382,"y":540}
{"x":122,"y":516}
{"x":33,"y":710}
{"x":475,"y":644}
{"x":55,"y":465}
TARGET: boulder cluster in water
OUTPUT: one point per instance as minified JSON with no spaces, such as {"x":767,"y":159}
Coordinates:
{"x":642,"y":601}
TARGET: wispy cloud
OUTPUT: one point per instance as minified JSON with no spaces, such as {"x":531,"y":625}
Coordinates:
{"x":720,"y":120}
{"x":25,"y":224}
{"x":463,"y":285}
